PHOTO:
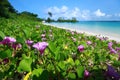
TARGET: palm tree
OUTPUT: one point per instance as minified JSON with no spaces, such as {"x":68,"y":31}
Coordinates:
{"x":50,"y":14}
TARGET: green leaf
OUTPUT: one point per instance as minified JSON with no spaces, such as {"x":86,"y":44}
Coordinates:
{"x":25,"y":65}
{"x":27,"y":32}
{"x":20,"y":40}
{"x":6,"y":53}
{"x":77,"y":62}
{"x":2,"y":35}
{"x":61,"y":64}
{"x":96,"y":57}
{"x":70,"y":61}
{"x":80,"y":71}
{"x":72,"y":75}
{"x":37,"y":72}
{"x":40,"y":74}
{"x":116,"y":63}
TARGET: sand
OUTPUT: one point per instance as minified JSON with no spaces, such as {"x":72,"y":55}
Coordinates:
{"x":88,"y":33}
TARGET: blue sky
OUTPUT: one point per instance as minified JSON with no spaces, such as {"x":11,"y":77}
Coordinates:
{"x":81,"y":9}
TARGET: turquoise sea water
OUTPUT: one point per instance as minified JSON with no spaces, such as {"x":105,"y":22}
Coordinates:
{"x":107,"y":28}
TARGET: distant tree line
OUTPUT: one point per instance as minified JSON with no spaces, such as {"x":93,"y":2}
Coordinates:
{"x":60,"y":19}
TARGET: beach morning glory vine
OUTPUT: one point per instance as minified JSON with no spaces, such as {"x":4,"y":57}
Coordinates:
{"x":41,"y":46}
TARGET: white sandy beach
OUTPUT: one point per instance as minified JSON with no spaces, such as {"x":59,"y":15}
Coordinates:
{"x":88,"y":32}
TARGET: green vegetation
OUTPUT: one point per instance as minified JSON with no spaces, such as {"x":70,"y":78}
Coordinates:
{"x":60,"y":19}
{"x":6,"y":9}
{"x":61,"y":59}
{"x":32,"y":50}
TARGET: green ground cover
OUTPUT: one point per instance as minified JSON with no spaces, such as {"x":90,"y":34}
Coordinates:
{"x":60,"y":54}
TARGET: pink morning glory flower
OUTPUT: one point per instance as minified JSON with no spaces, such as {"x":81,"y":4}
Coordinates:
{"x":41,"y":46}
{"x":101,"y":38}
{"x":44,"y":39}
{"x":119,"y":57}
{"x":72,"y":32}
{"x":29,"y":42}
{"x":43,"y":35}
{"x":110,"y":45}
{"x":5,"y":61}
{"x":81,"y":48}
{"x":117,"y":49}
{"x":89,"y":42}
{"x":16,"y":46}
{"x":113,"y":51}
{"x":110,"y":48}
{"x":86,"y":74}
{"x":8,"y":40}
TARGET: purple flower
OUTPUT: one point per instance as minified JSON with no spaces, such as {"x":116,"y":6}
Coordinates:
{"x":86,"y":74}
{"x":112,"y":73}
{"x":16,"y":46}
{"x":81,"y":48}
{"x":89,"y":42}
{"x":1,"y":42}
{"x":8,"y":41}
{"x":106,"y":38}
{"x":110,"y":48}
{"x":101,"y":38}
{"x":110,"y":45}
{"x":29,"y":42}
{"x":117,"y":49}
{"x":5,"y":61}
{"x":72,"y":32}
{"x":43,"y":35}
{"x":74,"y":39}
{"x":44,"y":39}
{"x":113,"y":51}
{"x":119,"y":57}
{"x":41,"y":46}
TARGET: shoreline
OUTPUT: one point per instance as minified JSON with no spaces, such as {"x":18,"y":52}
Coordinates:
{"x":87,"y":32}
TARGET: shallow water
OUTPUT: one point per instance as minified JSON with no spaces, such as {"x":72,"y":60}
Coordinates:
{"x":107,"y":28}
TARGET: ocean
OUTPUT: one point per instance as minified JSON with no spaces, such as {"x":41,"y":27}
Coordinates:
{"x":107,"y":28}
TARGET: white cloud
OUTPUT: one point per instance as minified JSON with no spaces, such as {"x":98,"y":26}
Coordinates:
{"x":56,"y":10}
{"x":66,"y":12}
{"x":85,"y":14}
{"x":99,"y":13}
{"x":73,"y":13}
{"x":64,"y":9}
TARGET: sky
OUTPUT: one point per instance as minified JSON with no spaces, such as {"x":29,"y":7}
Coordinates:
{"x":84,"y":10}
